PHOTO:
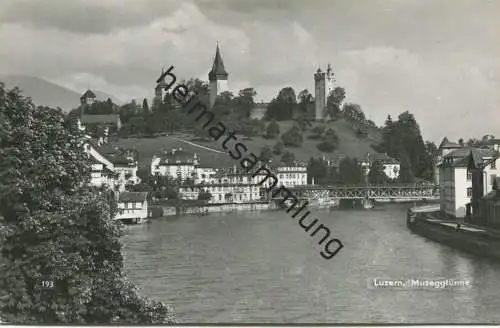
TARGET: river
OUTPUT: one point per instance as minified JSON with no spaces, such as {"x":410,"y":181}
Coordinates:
{"x":262,"y":267}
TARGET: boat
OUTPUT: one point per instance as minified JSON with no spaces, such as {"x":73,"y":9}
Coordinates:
{"x":424,"y":221}
{"x":130,"y":221}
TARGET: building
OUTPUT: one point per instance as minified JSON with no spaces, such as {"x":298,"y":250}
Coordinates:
{"x":455,"y":174}
{"x":484,"y":167}
{"x":291,"y":175}
{"x":323,"y":85}
{"x":226,"y":185}
{"x":489,"y":206}
{"x":115,"y":170}
{"x":391,"y":165}
{"x":88,"y":98}
{"x":92,"y":123}
{"x":444,"y":149}
{"x":177,"y":164}
{"x":218,"y":78}
{"x":132,"y":206}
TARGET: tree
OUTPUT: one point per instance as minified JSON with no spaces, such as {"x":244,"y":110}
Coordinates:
{"x":273,"y":129}
{"x":283,"y":106}
{"x":334,"y":102}
{"x":292,"y":137}
{"x":353,"y":112}
{"x":145,"y":107}
{"x":204,"y":195}
{"x":376,"y":175}
{"x":244,"y":103}
{"x":305,"y":101}
{"x":288,"y":158}
{"x":317,"y":132}
{"x":278,"y":148}
{"x":266,"y":154}
{"x":330,"y":141}
{"x":350,"y":171}
{"x":54,"y":228}
{"x":405,"y":173}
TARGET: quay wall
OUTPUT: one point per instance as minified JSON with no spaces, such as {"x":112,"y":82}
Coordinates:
{"x":172,"y":210}
{"x":481,"y":244}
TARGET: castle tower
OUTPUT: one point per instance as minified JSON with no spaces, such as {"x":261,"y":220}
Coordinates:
{"x":218,"y":77}
{"x":323,"y":85}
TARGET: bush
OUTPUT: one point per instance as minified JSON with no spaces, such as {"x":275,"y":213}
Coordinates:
{"x":54,"y":229}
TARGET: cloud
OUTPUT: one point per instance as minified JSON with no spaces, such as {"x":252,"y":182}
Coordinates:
{"x":388,"y":61}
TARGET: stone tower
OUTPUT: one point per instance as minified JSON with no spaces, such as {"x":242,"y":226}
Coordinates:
{"x":217,"y":77}
{"x":158,"y":99}
{"x":323,"y":85}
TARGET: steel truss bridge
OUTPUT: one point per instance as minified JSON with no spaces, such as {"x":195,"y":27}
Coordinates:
{"x":390,"y":192}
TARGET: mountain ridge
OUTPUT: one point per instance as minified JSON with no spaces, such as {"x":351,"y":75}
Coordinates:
{"x":45,"y":93}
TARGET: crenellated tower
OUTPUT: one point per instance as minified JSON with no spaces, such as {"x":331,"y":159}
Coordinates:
{"x":217,"y":77}
{"x":323,"y":85}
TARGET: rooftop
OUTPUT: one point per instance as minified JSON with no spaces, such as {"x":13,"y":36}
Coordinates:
{"x":446,"y":144}
{"x":93,"y":119}
{"x":218,"y":69}
{"x":88,"y":94}
{"x":132,"y":196}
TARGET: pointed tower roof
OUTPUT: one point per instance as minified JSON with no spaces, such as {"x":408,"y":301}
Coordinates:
{"x":218,"y":70}
{"x":88,"y":94}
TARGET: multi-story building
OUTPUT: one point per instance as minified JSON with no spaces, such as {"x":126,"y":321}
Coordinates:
{"x":456,"y":189}
{"x":132,"y":206}
{"x":489,"y":207}
{"x":444,"y":149}
{"x":228,"y":185}
{"x":177,"y":164}
{"x":484,"y":165}
{"x":114,"y":171}
{"x":292,"y":175}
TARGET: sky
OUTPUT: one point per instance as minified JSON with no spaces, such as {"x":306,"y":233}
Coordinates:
{"x":439,"y":59}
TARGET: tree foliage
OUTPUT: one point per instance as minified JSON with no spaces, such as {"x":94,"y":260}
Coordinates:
{"x":376,"y":175}
{"x":273,"y":129}
{"x":330,"y":141}
{"x":266,"y":154}
{"x":287,"y":158}
{"x":350,"y":171}
{"x":402,"y":140}
{"x":54,"y":228}
{"x":334,"y":102}
{"x":292,"y":137}
{"x":283,"y":106}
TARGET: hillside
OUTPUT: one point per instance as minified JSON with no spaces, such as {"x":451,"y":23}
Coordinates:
{"x":45,"y":93}
{"x":350,"y":145}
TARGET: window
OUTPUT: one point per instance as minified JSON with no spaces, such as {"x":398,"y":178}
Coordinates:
{"x":492,"y":178}
{"x":494,"y":164}
{"x":469,"y":175}
{"x":469,"y":192}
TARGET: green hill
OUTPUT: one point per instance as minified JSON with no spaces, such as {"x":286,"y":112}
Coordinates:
{"x":350,"y":145}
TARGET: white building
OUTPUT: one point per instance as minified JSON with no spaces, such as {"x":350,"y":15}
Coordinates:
{"x":291,"y":175}
{"x":132,"y":206}
{"x":116,"y":171}
{"x":456,"y":179}
{"x":391,"y":166}
{"x":444,"y":149}
{"x":177,"y":164}
{"x":485,"y":170}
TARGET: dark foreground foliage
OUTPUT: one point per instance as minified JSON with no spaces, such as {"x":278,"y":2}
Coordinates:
{"x":60,"y":254}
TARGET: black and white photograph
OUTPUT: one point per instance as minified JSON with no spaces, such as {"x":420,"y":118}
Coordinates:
{"x":249,"y":162}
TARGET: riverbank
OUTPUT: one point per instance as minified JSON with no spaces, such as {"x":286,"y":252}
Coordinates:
{"x":475,"y":240}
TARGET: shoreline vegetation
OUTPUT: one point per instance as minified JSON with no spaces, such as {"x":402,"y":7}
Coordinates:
{"x":216,"y":129}
{"x":61,"y":258}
